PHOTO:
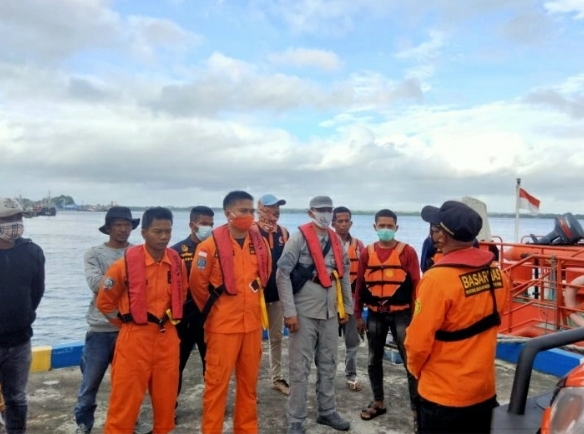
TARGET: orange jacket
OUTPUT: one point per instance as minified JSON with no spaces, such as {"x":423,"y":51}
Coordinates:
{"x":239,"y":313}
{"x":353,"y":251}
{"x":113,"y":295}
{"x":451,"y":296}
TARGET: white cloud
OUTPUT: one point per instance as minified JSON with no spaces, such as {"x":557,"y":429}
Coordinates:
{"x":306,"y":57}
{"x":332,"y":17}
{"x":147,"y":35}
{"x":48,"y":31}
{"x":566,"y":7}
{"x":425,"y":51}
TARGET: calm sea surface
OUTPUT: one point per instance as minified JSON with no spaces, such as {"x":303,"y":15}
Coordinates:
{"x":65,"y":238}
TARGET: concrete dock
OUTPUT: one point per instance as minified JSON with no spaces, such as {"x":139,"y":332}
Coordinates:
{"x":52,"y":396}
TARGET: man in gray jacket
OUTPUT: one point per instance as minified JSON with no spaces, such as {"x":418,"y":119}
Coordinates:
{"x":314,"y":289}
{"x":101,"y":336}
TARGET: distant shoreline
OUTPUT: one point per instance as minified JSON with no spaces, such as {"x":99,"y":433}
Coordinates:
{"x":357,"y":212}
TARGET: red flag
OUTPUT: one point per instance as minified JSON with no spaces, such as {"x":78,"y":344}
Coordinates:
{"x":528,"y":202}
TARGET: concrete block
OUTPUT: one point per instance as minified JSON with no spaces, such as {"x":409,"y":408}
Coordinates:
{"x":41,"y":359}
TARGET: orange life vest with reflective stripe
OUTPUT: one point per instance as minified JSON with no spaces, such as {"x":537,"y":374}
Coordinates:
{"x":137,"y":285}
{"x":386,"y":283}
{"x":353,"y":253}
{"x":222,"y":239}
{"x":315,"y":250}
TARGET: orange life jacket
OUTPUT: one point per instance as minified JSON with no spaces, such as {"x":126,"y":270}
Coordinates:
{"x":225,"y":251}
{"x":137,"y":286}
{"x":353,"y":253}
{"x":315,"y":250}
{"x":386,"y":283}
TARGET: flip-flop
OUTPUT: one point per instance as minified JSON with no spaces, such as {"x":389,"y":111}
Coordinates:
{"x":354,"y":384}
{"x":372,"y":411}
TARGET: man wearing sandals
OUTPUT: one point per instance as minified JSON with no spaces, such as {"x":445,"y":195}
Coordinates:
{"x":386,"y":281}
{"x":342,"y":224}
{"x":314,"y":305}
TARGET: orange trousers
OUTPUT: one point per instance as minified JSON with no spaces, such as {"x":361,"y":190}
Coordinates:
{"x":144,"y":358}
{"x":226,"y":352}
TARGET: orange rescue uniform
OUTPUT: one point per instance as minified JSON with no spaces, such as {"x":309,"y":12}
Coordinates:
{"x":144,"y":357}
{"x":453,"y":295}
{"x":233,"y":334}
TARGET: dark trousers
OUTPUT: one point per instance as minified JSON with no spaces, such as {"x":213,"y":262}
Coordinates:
{"x":378,"y":325}
{"x":190,"y":332}
{"x":14,"y":368}
{"x":438,"y":419}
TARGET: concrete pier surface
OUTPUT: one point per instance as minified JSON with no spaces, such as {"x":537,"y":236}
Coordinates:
{"x":52,"y":396}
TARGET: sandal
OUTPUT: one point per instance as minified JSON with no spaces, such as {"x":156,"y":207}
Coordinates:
{"x":354,"y":384}
{"x":372,"y":411}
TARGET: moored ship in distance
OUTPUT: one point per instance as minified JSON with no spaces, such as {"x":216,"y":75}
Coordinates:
{"x":49,"y":211}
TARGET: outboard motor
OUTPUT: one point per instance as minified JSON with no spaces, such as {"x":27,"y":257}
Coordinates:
{"x":566,"y":232}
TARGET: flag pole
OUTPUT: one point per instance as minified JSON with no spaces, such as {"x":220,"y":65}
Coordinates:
{"x":517,"y":209}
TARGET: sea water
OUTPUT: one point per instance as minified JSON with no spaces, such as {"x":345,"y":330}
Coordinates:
{"x":65,"y":238}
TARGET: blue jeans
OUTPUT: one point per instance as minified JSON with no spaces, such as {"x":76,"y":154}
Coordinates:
{"x":98,"y":353}
{"x":14,"y":368}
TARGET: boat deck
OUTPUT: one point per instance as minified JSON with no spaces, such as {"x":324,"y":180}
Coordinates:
{"x":52,"y":396}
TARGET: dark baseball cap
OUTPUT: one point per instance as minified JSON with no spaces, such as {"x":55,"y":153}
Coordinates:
{"x":119,"y":212}
{"x":460,"y":221}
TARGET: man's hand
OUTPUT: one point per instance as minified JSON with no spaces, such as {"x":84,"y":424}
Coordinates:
{"x":344,"y":319}
{"x":361,"y":327}
{"x":291,"y":323}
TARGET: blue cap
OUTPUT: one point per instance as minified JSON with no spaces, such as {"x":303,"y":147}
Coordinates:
{"x":270,"y":199}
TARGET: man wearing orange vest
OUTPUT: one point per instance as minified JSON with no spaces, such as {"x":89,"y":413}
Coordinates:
{"x":313,"y":284}
{"x":452,"y":339}
{"x":386,"y":282}
{"x":342,"y":224}
{"x":276,"y":236}
{"x":229,"y":272}
{"x":143,"y":293}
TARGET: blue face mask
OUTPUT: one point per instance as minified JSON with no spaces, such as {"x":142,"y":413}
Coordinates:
{"x":204,"y":232}
{"x":386,"y":234}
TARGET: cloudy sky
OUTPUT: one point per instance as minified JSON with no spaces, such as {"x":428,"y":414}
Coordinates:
{"x":377,"y":103}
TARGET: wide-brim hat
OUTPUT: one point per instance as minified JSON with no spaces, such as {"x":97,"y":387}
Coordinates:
{"x":457,"y":219}
{"x":118,"y":212}
{"x":9,"y":207}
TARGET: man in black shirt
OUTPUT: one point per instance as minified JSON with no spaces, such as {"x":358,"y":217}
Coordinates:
{"x":22,"y":285}
{"x":190,"y":329}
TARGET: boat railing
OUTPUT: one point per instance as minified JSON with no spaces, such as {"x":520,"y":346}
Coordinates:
{"x":540,"y":275}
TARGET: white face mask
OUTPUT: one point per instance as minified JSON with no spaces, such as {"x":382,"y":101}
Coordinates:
{"x":322,"y":219}
{"x":203,"y":232}
{"x":11,"y":231}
